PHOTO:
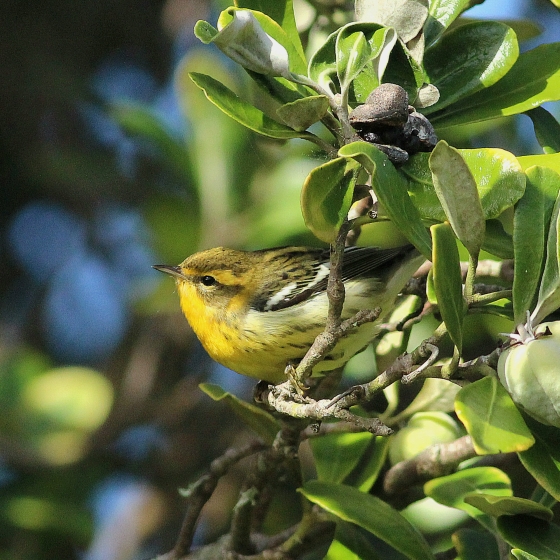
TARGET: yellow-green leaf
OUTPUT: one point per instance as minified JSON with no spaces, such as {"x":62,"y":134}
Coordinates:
{"x":457,"y":192}
{"x":326,"y":198}
{"x":491,"y":418}
{"x":448,"y":282}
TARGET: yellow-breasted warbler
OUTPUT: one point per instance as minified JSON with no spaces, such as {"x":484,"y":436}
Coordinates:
{"x":256,"y":311}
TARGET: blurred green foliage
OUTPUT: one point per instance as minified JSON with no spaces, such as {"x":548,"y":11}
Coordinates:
{"x":100,"y":118}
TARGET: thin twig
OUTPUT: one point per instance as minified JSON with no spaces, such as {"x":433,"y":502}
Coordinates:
{"x":326,"y":428}
{"x":281,"y":398}
{"x":328,"y":339}
{"x":240,"y":532}
{"x":273,"y":464}
{"x":330,"y":150}
{"x":413,"y":375}
{"x":489,"y":360}
{"x":314,"y":527}
{"x":335,"y":285}
{"x":332,"y":333}
{"x":200,"y":491}
{"x":486,"y":298}
{"x":403,"y":365}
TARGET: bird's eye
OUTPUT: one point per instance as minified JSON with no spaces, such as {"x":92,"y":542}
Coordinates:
{"x":208,"y":280}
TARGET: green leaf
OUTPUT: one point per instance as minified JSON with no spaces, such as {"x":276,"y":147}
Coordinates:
{"x":547,"y":129}
{"x":441,"y":15}
{"x":280,"y":89}
{"x":534,"y":79}
{"x":532,"y":535}
{"x":498,"y":175}
{"x":549,"y":292}
{"x":370,"y":513}
{"x":261,"y":422}
{"x":491,"y":418}
{"x":507,"y":505}
{"x":451,"y":490}
{"x":499,"y":178}
{"x":205,"y":32}
{"x":390,"y":188}
{"x":497,"y":241}
{"x":421,"y":187}
{"x":521,"y":555}
{"x":381,"y":41}
{"x":350,"y":543}
{"x":423,"y":430}
{"x":326,"y":197}
{"x":470,"y":58}
{"x":457,"y":192}
{"x":544,"y":160}
{"x":336,"y":455}
{"x":448,"y":282}
{"x":282,"y":12}
{"x":475,"y":545}
{"x":242,"y":38}
{"x":405,"y":16}
{"x":542,"y":460}
{"x":258,"y":43}
{"x":286,"y":33}
{"x":241,"y":111}
{"x":322,"y":65}
{"x":371,"y":464}
{"x":530,"y":226}
{"x":435,"y":395}
{"x":352,"y":54}
{"x":302,"y":113}
{"x":402,"y":69}
{"x":432,"y":518}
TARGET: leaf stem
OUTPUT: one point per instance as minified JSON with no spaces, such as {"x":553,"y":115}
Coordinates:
{"x":483,"y":299}
{"x":469,"y":280}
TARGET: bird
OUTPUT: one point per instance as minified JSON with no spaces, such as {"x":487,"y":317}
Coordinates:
{"x":256,"y":312}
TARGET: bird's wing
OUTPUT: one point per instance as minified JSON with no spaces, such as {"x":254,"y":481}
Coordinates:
{"x":311,"y":276}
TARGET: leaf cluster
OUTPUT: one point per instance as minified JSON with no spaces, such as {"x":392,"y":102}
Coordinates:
{"x":448,"y":203}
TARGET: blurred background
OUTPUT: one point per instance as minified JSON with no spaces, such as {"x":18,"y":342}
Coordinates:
{"x":111,"y":160}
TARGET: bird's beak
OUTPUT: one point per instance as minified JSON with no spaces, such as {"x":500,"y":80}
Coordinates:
{"x":171,"y":270}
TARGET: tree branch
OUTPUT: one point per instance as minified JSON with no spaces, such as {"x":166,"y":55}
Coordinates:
{"x":281,"y":398}
{"x":438,"y":460}
{"x":334,"y":330}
